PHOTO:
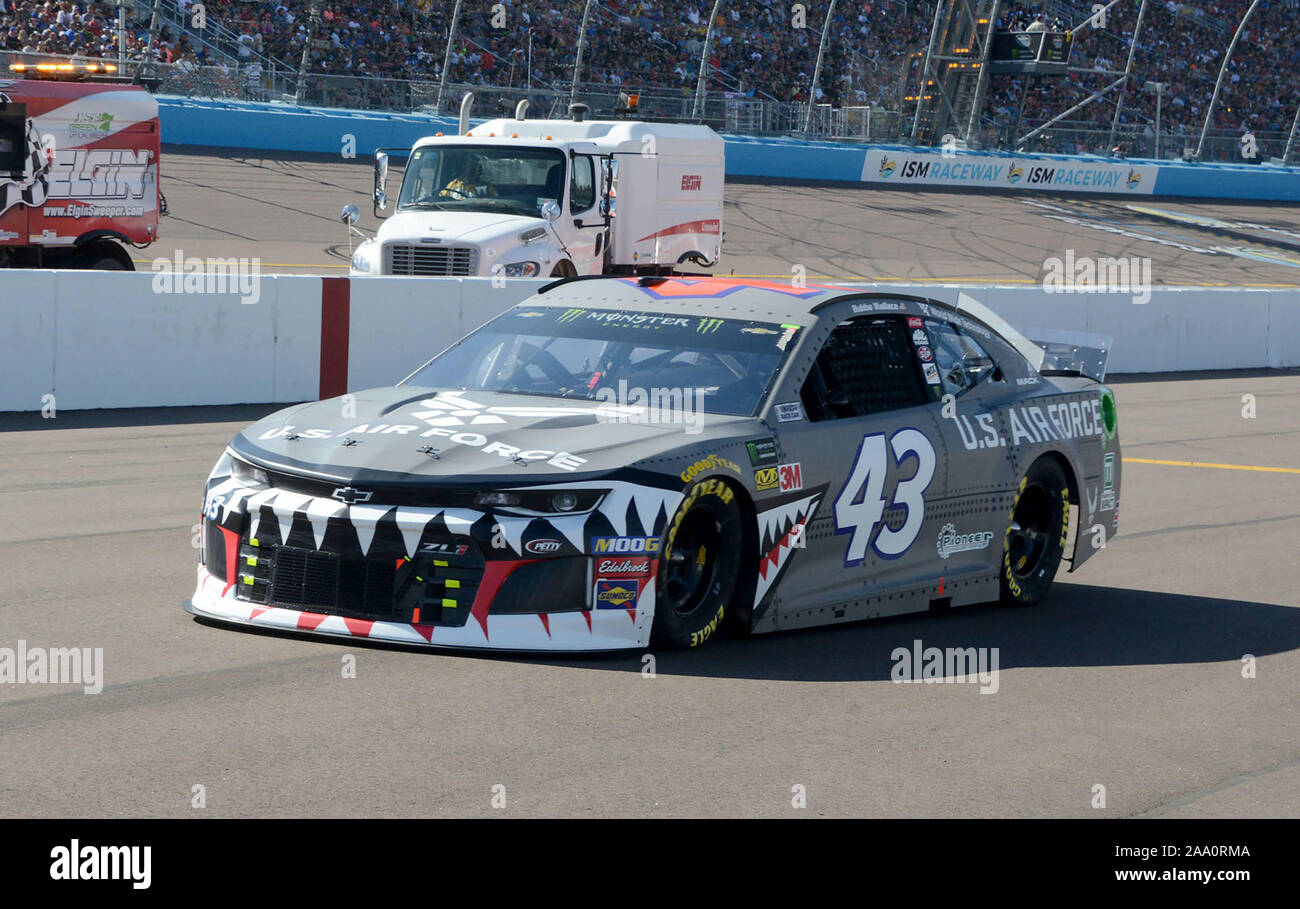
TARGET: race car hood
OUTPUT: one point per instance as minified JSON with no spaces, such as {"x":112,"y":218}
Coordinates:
{"x":408,"y":435}
{"x":452,"y":226}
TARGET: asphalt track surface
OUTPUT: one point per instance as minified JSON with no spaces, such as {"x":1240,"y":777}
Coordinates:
{"x":284,"y":211}
{"x":1129,"y":677}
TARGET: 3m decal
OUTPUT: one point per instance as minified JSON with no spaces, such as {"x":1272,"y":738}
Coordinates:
{"x":791,"y":477}
{"x":860,"y":506}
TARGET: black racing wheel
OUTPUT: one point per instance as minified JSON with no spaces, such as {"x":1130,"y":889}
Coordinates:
{"x":1036,"y":534}
{"x":699,"y":566}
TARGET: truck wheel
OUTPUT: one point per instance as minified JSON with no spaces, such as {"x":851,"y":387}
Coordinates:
{"x":103,"y":256}
{"x":1035,"y":539}
{"x":698,"y":568}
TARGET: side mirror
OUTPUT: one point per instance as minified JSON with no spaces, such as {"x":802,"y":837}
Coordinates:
{"x":349,"y":214}
{"x":609,"y":203}
{"x":381,"y":180}
{"x":551,"y":210}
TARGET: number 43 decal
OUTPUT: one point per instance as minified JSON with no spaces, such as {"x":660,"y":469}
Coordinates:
{"x":861,"y":503}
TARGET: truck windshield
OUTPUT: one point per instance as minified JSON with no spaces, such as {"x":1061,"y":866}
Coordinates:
{"x":500,"y":178}
{"x":618,"y":356}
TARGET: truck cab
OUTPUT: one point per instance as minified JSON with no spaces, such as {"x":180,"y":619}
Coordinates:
{"x":537,"y":198}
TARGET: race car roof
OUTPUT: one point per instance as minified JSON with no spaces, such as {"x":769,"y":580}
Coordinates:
{"x":748,"y":298}
{"x":720,"y":297}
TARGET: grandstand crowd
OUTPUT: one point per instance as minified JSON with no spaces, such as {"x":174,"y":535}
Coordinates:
{"x":874,"y":51}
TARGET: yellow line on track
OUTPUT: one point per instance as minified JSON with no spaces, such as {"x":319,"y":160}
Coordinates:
{"x":1166,"y":463}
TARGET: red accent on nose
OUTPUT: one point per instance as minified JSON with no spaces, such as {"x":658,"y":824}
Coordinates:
{"x":494,"y":575}
{"x":232,"y":557}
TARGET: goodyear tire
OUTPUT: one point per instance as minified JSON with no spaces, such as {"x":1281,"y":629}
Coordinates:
{"x":1036,"y":534}
{"x":699,"y":566}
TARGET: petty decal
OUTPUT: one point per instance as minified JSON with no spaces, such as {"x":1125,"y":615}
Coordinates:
{"x":636,"y":565}
{"x":542,"y":547}
{"x":767,"y":478}
{"x":860,"y":506}
{"x":624,"y":544}
{"x":617,"y":594}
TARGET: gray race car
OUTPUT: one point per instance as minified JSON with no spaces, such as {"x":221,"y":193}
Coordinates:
{"x":624,"y":462}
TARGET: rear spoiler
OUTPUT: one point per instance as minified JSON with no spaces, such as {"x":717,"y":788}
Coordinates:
{"x":1053,"y":351}
{"x":1072,"y":353}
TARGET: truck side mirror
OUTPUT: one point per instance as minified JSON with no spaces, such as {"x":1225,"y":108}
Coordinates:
{"x":551,"y":210}
{"x":381,"y":180}
{"x":609,"y":201}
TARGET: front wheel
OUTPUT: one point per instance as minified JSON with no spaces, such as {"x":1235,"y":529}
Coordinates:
{"x":1036,"y":535}
{"x":698,"y":568}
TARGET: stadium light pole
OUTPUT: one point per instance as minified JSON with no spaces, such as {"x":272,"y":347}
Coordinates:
{"x":582,"y":43}
{"x":817,"y":70}
{"x":925,"y":71}
{"x":1290,"y":141}
{"x":313,"y":22}
{"x":1159,"y":89}
{"x":1128,"y":72}
{"x":446,"y":59}
{"x":698,"y":113}
{"x":1223,"y":71}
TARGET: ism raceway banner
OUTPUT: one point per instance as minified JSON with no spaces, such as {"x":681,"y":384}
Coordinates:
{"x":992,"y":172}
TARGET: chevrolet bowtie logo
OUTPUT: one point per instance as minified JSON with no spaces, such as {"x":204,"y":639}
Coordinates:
{"x":351,"y":496}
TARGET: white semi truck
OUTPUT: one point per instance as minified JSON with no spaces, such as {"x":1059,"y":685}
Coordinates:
{"x":535,"y":198}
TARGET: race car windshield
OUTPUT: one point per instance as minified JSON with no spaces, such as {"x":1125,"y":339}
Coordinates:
{"x":630,"y":358}
{"x":510,"y":180}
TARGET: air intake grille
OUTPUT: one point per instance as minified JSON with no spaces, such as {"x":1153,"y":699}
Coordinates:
{"x":430,"y":259}
{"x":435,"y":588}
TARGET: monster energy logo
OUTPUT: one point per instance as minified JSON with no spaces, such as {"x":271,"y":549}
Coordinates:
{"x":708,"y":326}
{"x":569,"y":315}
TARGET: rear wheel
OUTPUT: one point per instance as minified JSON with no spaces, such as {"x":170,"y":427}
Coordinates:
{"x":103,"y":255}
{"x":1035,"y":539}
{"x":699,"y":567}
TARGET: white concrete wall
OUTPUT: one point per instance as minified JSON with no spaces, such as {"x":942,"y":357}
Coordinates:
{"x":399,"y":323}
{"x":109,"y":340}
